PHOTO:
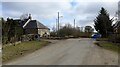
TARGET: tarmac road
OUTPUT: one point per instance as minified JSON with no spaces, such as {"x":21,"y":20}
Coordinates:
{"x":69,"y":52}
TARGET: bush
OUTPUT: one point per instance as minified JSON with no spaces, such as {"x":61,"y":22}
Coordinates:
{"x":114,"y":38}
{"x":53,"y":34}
{"x":30,"y":37}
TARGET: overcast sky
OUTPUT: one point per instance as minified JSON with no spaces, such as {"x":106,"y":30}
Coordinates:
{"x":45,"y":11}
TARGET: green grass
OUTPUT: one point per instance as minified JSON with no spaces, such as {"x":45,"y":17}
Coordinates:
{"x":110,"y":46}
{"x":13,"y":51}
{"x":102,"y":39}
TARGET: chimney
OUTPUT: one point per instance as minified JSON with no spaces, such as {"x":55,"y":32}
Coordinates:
{"x":30,"y":17}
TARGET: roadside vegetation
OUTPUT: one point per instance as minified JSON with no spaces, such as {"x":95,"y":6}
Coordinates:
{"x":68,"y":31}
{"x":106,"y":44}
{"x":103,"y":23}
{"x":13,"y":51}
{"x":110,"y":37}
{"x":11,"y":31}
{"x":102,"y":39}
{"x":15,"y":42}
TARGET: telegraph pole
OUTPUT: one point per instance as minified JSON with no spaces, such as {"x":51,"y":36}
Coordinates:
{"x":74,"y":23}
{"x":58,"y":21}
{"x":58,"y":25}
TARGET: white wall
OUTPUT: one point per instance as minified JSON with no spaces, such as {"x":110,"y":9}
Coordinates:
{"x":42,"y":32}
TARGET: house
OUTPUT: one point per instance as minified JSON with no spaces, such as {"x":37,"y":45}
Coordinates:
{"x":34,"y":27}
{"x":117,"y":24}
{"x":117,"y":27}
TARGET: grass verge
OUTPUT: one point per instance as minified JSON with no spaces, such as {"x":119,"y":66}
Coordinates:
{"x":13,"y":51}
{"x":109,"y":45}
{"x":101,"y":39}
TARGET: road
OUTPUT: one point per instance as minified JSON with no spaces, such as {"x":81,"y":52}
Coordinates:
{"x":0,"y":54}
{"x":69,"y":52}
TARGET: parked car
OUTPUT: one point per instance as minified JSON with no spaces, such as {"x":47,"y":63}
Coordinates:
{"x":96,"y":35}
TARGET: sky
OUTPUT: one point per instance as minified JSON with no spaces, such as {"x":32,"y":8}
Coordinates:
{"x":45,"y":11}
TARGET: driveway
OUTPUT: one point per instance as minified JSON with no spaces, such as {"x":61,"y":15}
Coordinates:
{"x":69,"y":52}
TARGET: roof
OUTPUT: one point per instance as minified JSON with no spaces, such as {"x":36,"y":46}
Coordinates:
{"x":117,"y":24}
{"x":22,"y":22}
{"x":32,"y":24}
{"x":35,"y":24}
{"x":18,"y":20}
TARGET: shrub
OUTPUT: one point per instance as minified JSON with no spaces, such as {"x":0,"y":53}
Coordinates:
{"x":114,"y":38}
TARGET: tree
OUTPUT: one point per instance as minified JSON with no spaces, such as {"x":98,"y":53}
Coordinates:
{"x":11,"y":30}
{"x":89,"y":29}
{"x":24,"y":16}
{"x":67,"y":30}
{"x":4,"y":31}
{"x":103,"y":23}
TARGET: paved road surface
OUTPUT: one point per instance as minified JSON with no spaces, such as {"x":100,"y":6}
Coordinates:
{"x":69,"y":52}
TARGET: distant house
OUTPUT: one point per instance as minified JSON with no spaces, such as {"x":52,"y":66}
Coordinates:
{"x":34,"y":27}
{"x":117,"y":24}
{"x":117,"y":27}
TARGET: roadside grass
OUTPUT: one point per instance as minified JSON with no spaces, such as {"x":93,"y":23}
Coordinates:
{"x":102,"y":39}
{"x":13,"y":51}
{"x":104,"y":43}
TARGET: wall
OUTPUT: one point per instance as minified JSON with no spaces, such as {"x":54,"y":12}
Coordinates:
{"x":43,"y":31}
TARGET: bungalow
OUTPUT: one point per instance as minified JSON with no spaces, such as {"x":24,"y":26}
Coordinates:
{"x":34,"y":27}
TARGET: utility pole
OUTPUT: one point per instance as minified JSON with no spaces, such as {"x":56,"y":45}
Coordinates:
{"x":58,"y":21}
{"x":56,"y":26}
{"x":74,"y":23}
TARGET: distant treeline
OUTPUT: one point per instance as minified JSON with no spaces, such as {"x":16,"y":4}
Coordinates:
{"x":69,"y":31}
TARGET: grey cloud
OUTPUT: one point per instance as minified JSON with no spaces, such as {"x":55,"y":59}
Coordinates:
{"x":84,"y":12}
{"x":94,"y":7}
{"x":43,"y":9}
{"x":90,"y":10}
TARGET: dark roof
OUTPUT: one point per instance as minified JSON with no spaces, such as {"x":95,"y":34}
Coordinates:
{"x":21,"y":22}
{"x":117,"y":24}
{"x":35,"y":24}
{"x":31,"y":24}
{"x":18,"y":20}
{"x":40,"y":25}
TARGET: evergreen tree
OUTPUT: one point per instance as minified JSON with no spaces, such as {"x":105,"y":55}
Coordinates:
{"x":103,"y":23}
